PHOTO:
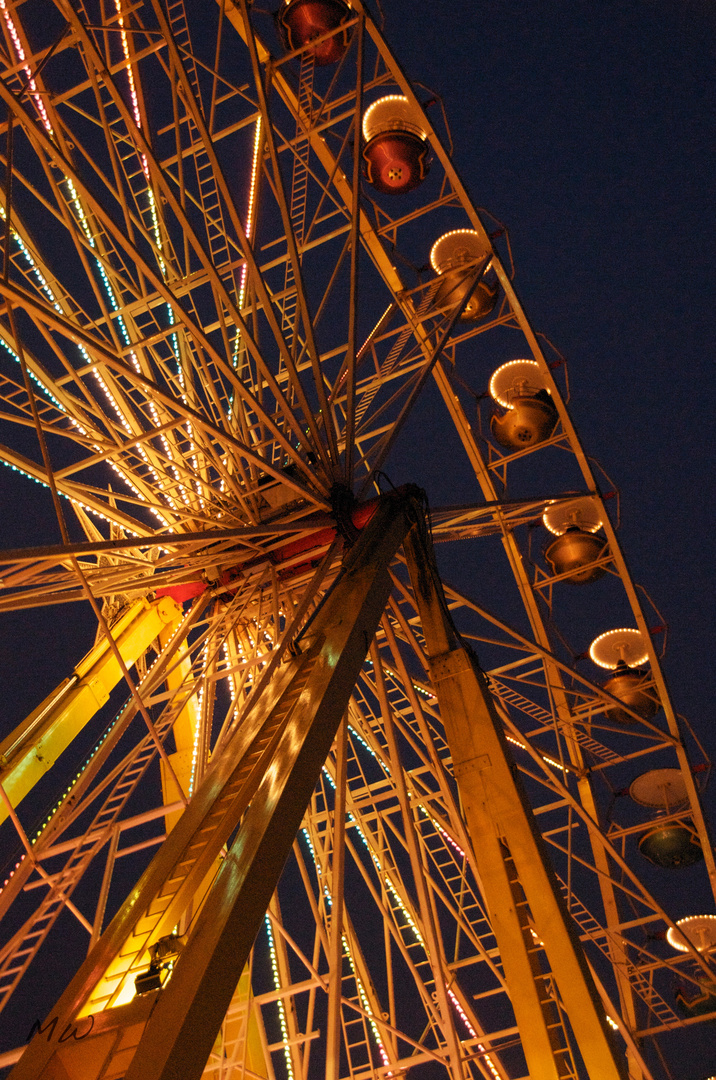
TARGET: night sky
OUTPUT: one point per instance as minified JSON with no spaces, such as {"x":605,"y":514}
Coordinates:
{"x":589,"y":130}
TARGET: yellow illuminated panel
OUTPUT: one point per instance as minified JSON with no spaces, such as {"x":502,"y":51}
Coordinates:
{"x":36,"y":744}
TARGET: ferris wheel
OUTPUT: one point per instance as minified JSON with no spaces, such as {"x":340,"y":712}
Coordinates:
{"x":305,"y":809}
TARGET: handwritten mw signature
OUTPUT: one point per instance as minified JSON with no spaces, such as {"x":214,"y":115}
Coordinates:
{"x":71,"y":1031}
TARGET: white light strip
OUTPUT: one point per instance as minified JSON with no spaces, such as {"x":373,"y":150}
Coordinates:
{"x":81,"y":217}
{"x":279,"y":1002}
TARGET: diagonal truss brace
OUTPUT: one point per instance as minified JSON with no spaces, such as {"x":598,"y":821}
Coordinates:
{"x":263,"y":778}
{"x":512,"y":866}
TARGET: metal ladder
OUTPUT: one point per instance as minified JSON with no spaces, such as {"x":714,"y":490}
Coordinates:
{"x":208,"y":191}
{"x":18,"y":953}
{"x":549,"y":1001}
{"x":642,"y":985}
{"x":356,"y":987}
{"x":197,"y":857}
{"x":299,"y":194}
{"x":510,"y":697}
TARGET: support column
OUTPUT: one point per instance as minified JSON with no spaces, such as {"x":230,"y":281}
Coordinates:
{"x":513,"y":867}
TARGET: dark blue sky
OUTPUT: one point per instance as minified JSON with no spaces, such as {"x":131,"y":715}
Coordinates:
{"x":589,"y":129}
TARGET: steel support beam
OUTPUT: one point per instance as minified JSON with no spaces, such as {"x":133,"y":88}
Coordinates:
{"x":173,"y":1030}
{"x":35,"y":745}
{"x":513,"y":867}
